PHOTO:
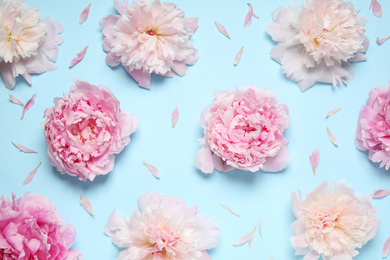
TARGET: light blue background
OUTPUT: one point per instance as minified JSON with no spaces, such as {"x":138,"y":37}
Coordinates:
{"x":172,"y":150}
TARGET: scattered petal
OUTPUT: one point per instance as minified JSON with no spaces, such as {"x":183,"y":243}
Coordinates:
{"x":376,"y":8}
{"x":314,"y":158}
{"x":15,"y":100}
{"x":332,"y":138}
{"x":31,"y":175}
{"x":380,"y":193}
{"x":222,"y":29}
{"x":386,"y":248}
{"x":238,"y":56}
{"x":79,"y":57}
{"x":333,"y":111}
{"x":153,"y":170}
{"x":248,"y":18}
{"x":248,"y":238}
{"x":23,"y":148}
{"x":260,"y":223}
{"x":229,"y":209}
{"x":381,"y":41}
{"x":175,"y":116}
{"x":84,"y":14}
{"x":84,"y":201}
{"x":29,"y":104}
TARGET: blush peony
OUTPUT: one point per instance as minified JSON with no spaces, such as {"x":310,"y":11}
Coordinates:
{"x":244,"y":129}
{"x":163,"y":228}
{"x":84,"y":130}
{"x":332,"y":222}
{"x":31,"y":228}
{"x":317,"y":41}
{"x":149,"y":37}
{"x":27,"y":45}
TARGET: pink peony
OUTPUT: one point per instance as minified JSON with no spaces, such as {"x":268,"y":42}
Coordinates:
{"x":163,"y":228}
{"x":332,"y":222}
{"x":373,"y":130}
{"x":27,"y":45}
{"x":317,"y":41}
{"x":149,"y":37}
{"x":31,"y":228}
{"x":84,"y":130}
{"x":244,"y":129}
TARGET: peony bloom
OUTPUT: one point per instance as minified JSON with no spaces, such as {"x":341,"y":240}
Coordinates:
{"x":373,"y":128}
{"x":317,"y":41}
{"x":243,"y":129}
{"x":163,"y":228}
{"x":31,"y":228}
{"x":149,"y":37}
{"x":84,"y":130}
{"x":332,"y":222}
{"x":27,"y":45}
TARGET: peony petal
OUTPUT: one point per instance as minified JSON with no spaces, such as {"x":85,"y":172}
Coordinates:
{"x":386,"y":248}
{"x":380,"y":193}
{"x":222,"y":29}
{"x":84,"y":201}
{"x":248,"y":18}
{"x":175,"y":116}
{"x":238,"y":56}
{"x":23,"y":148}
{"x":314,"y":158}
{"x":229,"y":209}
{"x":79,"y":57}
{"x":15,"y":100}
{"x":260,"y":223}
{"x":333,"y":111}
{"x":332,"y":138}
{"x":84,"y":14}
{"x":247,"y":238}
{"x":153,"y":170}
{"x":31,"y":175}
{"x":29,"y":104}
{"x":381,"y":41}
{"x":376,"y":8}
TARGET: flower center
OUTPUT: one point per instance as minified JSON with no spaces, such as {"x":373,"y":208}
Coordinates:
{"x":150,"y":32}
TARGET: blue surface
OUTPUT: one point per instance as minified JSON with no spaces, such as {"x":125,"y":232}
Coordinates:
{"x":172,"y":150}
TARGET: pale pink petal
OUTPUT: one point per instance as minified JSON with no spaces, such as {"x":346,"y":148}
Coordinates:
{"x":248,"y":238}
{"x":260,"y":223}
{"x":153,"y":170}
{"x":175,"y":116}
{"x":248,"y":18}
{"x":332,"y":138}
{"x":29,"y":104}
{"x":333,"y":111}
{"x":238,"y":56}
{"x":84,"y":14}
{"x":386,"y":248}
{"x":314,"y":159}
{"x":84,"y":201}
{"x":141,"y":77}
{"x":222,"y":29}
{"x":229,"y":209}
{"x":376,"y":8}
{"x":31,"y":175}
{"x":79,"y":57}
{"x":380,"y":193}
{"x":15,"y":100}
{"x":192,"y":23}
{"x":23,"y":148}
{"x":381,"y":41}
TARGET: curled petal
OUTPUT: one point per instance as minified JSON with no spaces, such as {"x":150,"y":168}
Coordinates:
{"x":381,"y":41}
{"x":333,"y":111}
{"x":79,"y":57}
{"x":238,"y":56}
{"x":31,"y":175}
{"x":222,"y":29}
{"x":314,"y":159}
{"x":247,"y":238}
{"x":380,"y":193}
{"x":229,"y":209}
{"x":84,"y":201}
{"x":15,"y":100}
{"x":386,"y":248}
{"x":175,"y":116}
{"x":29,"y":104}
{"x":376,"y":8}
{"x":153,"y":170}
{"x":248,"y":18}
{"x":84,"y":14}
{"x":332,"y":138}
{"x":23,"y":148}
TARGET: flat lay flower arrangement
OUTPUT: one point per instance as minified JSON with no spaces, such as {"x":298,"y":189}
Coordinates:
{"x":194,"y":130}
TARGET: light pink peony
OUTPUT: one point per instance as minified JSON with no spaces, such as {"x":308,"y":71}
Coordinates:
{"x":163,"y":228}
{"x":84,"y":130}
{"x":317,"y":41}
{"x":27,"y":45}
{"x":244,"y":129}
{"x":149,"y":37}
{"x":31,"y":228}
{"x":373,"y":129}
{"x":332,"y":222}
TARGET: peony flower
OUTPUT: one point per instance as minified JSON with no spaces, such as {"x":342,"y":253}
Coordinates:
{"x":373,"y":129}
{"x":163,"y":228}
{"x":243,"y":129}
{"x":27,"y":45}
{"x":332,"y":222}
{"x":83,"y":131}
{"x":149,"y":37}
{"x":317,"y":41}
{"x":31,"y":228}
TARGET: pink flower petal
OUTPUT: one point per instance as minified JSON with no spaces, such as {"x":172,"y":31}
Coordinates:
{"x":238,"y":56}
{"x":175,"y":116}
{"x":15,"y":100}
{"x":248,"y":238}
{"x":153,"y":170}
{"x":248,"y":18}
{"x":222,"y":29}
{"x":84,"y":14}
{"x":380,"y":193}
{"x":260,"y":223}
{"x":333,"y":111}
{"x":79,"y":57}
{"x":31,"y":175}
{"x":23,"y":148}
{"x":381,"y":41}
{"x":376,"y":8}
{"x":332,"y":138}
{"x":229,"y":209}
{"x":314,"y":158}
{"x":29,"y":104}
{"x":84,"y":201}
{"x":386,"y":248}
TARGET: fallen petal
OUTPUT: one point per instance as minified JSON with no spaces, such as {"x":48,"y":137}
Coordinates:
{"x":248,"y":17}
{"x":381,"y":41}
{"x":260,"y":223}
{"x":84,"y":201}
{"x":248,"y":238}
{"x":380,"y":193}
{"x":29,"y":104}
{"x":331,"y":137}
{"x":15,"y":100}
{"x":222,"y":29}
{"x":386,"y":248}
{"x":175,"y":116}
{"x":376,"y":8}
{"x":229,"y":209}
{"x":314,"y":159}
{"x":31,"y":175}
{"x":23,"y":148}
{"x":333,"y":111}
{"x":84,"y":14}
{"x":238,"y":56}
{"x":79,"y":57}
{"x":153,"y":170}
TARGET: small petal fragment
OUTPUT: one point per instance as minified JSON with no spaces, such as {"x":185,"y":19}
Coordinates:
{"x":175,"y":116}
{"x":331,"y":137}
{"x":15,"y":100}
{"x":376,"y":8}
{"x":314,"y":158}
{"x":333,"y":111}
{"x":222,"y":29}
{"x":153,"y":170}
{"x":31,"y":175}
{"x":84,"y":14}
{"x":79,"y":57}
{"x":260,"y":223}
{"x":380,"y":193}
{"x":248,"y":18}
{"x":386,"y":248}
{"x":84,"y":201}
{"x":23,"y":148}
{"x":238,"y":56}
{"x":248,"y":238}
{"x":229,"y":209}
{"x":29,"y":104}
{"x":381,"y":41}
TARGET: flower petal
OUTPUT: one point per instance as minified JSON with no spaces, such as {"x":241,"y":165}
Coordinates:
{"x":376,"y":8}
{"x":332,"y":138}
{"x":380,"y":193}
{"x":247,"y":238}
{"x":84,"y":201}
{"x":222,"y":29}
{"x":386,"y":248}
{"x":260,"y":223}
{"x":153,"y":170}
{"x":314,"y":158}
{"x":31,"y":175}
{"x":248,"y":18}
{"x":238,"y":56}
{"x":15,"y":100}
{"x":229,"y":209}
{"x":175,"y":116}
{"x":381,"y":41}
{"x":23,"y":148}
{"x":84,"y":14}
{"x":333,"y":111}
{"x":79,"y":57}
{"x":29,"y":104}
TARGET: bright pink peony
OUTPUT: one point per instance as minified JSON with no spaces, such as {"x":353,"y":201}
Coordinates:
{"x":244,"y":129}
{"x":332,"y":222}
{"x":163,"y":228}
{"x":31,"y":228}
{"x":149,"y":37}
{"x":27,"y":45}
{"x":317,"y":41}
{"x":85,"y":129}
{"x":373,"y":130}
